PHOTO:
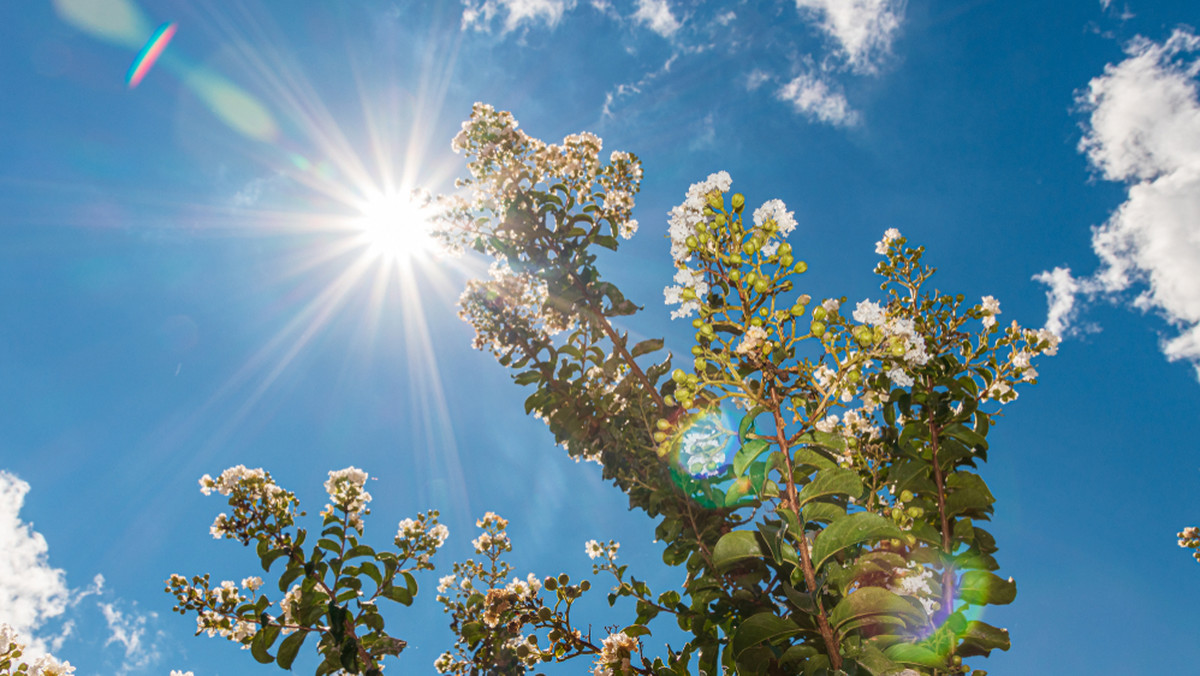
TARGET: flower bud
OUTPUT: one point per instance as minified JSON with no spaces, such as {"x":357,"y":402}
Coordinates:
{"x":716,"y":200}
{"x":797,"y":310}
{"x":819,"y":313}
{"x":786,"y":260}
{"x":663,"y":424}
{"x":738,"y":201}
{"x":762,"y":285}
{"x":906,"y":496}
{"x":678,"y":375}
{"x":818,"y":327}
{"x":692,"y":242}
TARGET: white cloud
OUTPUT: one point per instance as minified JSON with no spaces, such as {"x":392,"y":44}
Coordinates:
{"x":863,"y":29}
{"x":31,"y":591}
{"x":818,"y":100}
{"x":479,"y":15}
{"x":129,"y":630}
{"x":756,"y":79}
{"x":1144,"y":129}
{"x":629,"y":89}
{"x":656,"y":14}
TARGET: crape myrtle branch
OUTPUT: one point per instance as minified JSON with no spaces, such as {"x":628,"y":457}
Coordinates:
{"x":857,"y":489}
{"x":328,"y":593}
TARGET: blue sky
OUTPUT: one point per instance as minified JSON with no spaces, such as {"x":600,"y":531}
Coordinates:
{"x":184,"y":286}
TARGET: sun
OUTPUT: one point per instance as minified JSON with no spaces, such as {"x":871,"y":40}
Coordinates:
{"x":394,"y":227}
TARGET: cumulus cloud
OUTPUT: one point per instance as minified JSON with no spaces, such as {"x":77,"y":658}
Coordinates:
{"x":1143,"y":129}
{"x":657,"y":16}
{"x":479,"y":15}
{"x":818,"y":100}
{"x":863,"y":29}
{"x":31,"y":590}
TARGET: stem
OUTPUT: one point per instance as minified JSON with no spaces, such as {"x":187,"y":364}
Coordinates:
{"x":938,"y":479}
{"x":810,"y":573}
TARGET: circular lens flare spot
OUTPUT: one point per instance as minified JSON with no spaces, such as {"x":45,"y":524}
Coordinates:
{"x":394,"y":227}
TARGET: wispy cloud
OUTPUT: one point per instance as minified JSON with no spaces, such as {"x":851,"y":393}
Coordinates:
{"x":657,"y":16}
{"x":863,"y":29}
{"x":624,"y":90}
{"x":479,"y":15}
{"x":128,"y":629}
{"x":818,"y":100}
{"x":1143,"y":129}
{"x":32,"y":592}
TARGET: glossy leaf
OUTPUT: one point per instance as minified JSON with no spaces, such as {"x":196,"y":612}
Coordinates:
{"x":832,"y":481}
{"x":289,"y":648}
{"x":734,"y":547}
{"x":760,"y":628}
{"x":747,"y":454}
{"x":980,"y":639}
{"x":980,"y":587}
{"x":874,"y":604}
{"x":849,"y":531}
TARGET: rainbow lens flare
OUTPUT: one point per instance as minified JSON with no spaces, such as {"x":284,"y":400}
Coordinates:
{"x":149,"y":54}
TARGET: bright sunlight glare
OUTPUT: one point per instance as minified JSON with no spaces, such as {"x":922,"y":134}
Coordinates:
{"x":394,"y":227}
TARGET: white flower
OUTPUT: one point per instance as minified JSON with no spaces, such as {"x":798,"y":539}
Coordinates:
{"x":252,"y":583}
{"x":881,"y":247}
{"x":685,"y":217}
{"x":439,"y":533}
{"x":991,"y":307}
{"x":751,"y":340}
{"x":831,"y":305}
{"x":445,"y":583}
{"x":686,"y":279}
{"x":823,"y":375}
{"x":868,"y":312}
{"x":828,"y":425}
{"x":593,"y":549}
{"x":775,"y":210}
{"x":900,"y":378}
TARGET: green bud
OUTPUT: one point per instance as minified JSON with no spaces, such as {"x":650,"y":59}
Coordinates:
{"x":697,"y":350}
{"x":697,"y":323}
{"x":688,"y":294}
{"x":669,"y":401}
{"x":721,"y":220}
{"x":734,"y":275}
{"x":818,"y":327}
{"x":854,"y":376}
{"x":785,"y":249}
{"x":738,"y":201}
{"x":755,"y":321}
{"x":762,"y":285}
{"x":700,"y":363}
{"x":692,"y":242}
{"x":751,"y":278}
{"x":786,"y":260}
{"x":801,"y":267}
{"x":659,"y":437}
{"x":585,"y":585}
{"x":748,"y":247}
{"x":716,"y":200}
{"x":763,"y":311}
{"x":915,"y":512}
{"x":898,"y":350}
{"x":678,"y":375}
{"x":906,"y":496}
{"x":735,"y":259}
{"x":564,"y":579}
{"x":703,"y":238}
{"x":819,"y":313}
{"x":797,"y":310}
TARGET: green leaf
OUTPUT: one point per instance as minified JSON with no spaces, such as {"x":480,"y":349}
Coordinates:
{"x":746,"y":426}
{"x":258,"y":648}
{"x":968,"y":494}
{"x":849,"y":531}
{"x":646,"y":347}
{"x":397,"y":594}
{"x":980,"y":587}
{"x":874,"y":605}
{"x":473,"y":632}
{"x":813,"y":458}
{"x":735,"y":546}
{"x":635,"y":630}
{"x":372,"y":572}
{"x":747,"y":454}
{"x":738,"y":490}
{"x":528,"y":377}
{"x":270,"y":558}
{"x":875,"y":662}
{"x":825,"y":512}
{"x":916,"y":655}
{"x":607,"y":242}
{"x":833,"y":481}
{"x":969,"y":437}
{"x":289,"y":648}
{"x":759,"y":628}
{"x":980,"y":639}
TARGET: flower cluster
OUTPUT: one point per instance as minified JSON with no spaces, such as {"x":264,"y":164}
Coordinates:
{"x":1189,"y":538}
{"x":915,"y":581}
{"x":345,"y":489}
{"x":419,"y":539}
{"x":11,"y":662}
{"x":614,"y":655}
{"x":216,"y":607}
{"x":260,"y":507}
{"x":506,"y":164}
{"x":511,"y":307}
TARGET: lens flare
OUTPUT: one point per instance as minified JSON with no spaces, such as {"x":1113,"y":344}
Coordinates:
{"x":149,"y":54}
